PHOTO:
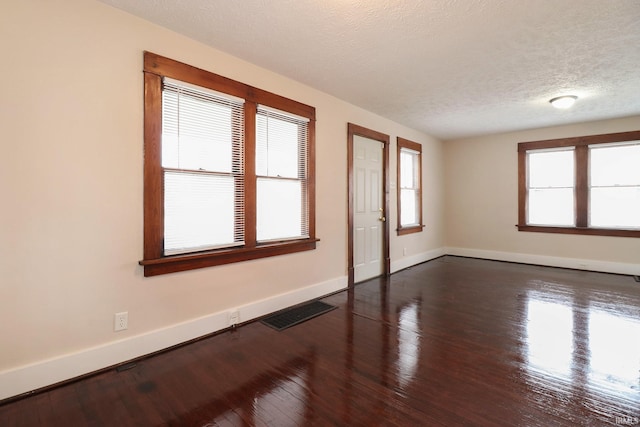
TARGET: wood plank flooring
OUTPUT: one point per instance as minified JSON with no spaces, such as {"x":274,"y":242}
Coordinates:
{"x":452,"y":342}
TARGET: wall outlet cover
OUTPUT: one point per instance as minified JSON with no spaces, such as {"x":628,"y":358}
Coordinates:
{"x":121,"y":321}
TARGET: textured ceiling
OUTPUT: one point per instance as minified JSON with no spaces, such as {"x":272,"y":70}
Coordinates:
{"x":450,"y":68}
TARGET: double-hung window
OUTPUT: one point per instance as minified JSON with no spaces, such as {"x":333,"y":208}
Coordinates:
{"x":281,"y":153}
{"x":202,"y":163}
{"x":550,"y":187}
{"x":229,"y":170}
{"x":409,"y":186}
{"x":614,"y":185}
{"x":582,"y":185}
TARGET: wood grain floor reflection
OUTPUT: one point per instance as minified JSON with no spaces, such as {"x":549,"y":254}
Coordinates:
{"x":452,"y":342}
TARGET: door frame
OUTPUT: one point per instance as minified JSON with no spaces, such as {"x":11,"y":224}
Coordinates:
{"x":353,"y":129}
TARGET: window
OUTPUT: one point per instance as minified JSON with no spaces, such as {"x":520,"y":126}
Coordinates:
{"x":202,"y":149}
{"x":550,"y":184}
{"x":583,"y":185}
{"x":229,"y":170}
{"x":281,"y":152}
{"x":409,"y":187}
{"x":614,"y":185}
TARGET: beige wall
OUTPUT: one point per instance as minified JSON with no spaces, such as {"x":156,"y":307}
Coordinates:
{"x":71,"y":179}
{"x":481,"y":202}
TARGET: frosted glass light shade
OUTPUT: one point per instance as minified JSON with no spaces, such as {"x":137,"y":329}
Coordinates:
{"x":563,"y":101}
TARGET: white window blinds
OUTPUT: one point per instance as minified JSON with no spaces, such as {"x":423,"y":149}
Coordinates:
{"x":281,"y":169}
{"x":202,"y":161}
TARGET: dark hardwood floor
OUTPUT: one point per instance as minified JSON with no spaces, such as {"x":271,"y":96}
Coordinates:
{"x":452,"y":342}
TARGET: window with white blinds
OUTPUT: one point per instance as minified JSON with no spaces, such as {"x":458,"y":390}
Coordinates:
{"x":202,"y":159}
{"x":409,"y":186}
{"x":281,"y":170}
{"x":229,"y":170}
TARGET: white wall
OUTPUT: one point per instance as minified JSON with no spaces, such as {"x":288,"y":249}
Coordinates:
{"x":481,"y":205}
{"x":71,"y":114}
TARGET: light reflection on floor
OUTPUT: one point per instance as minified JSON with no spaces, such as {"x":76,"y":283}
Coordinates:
{"x":614,"y":344}
{"x":408,"y":344}
{"x":285,"y":397}
{"x":560,"y":332}
{"x":549,"y":337}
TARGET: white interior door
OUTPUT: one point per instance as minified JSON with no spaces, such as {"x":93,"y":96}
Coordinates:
{"x":368,"y":214}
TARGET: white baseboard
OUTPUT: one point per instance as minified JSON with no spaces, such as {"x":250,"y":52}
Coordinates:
{"x":30,"y":377}
{"x":551,"y":261}
{"x":412,"y":260}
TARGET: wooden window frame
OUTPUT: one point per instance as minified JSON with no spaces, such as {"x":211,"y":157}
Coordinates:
{"x":405,"y":143}
{"x":581,"y":202}
{"x":155,"y":262}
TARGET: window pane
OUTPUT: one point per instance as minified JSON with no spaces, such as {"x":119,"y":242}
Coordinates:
{"x":198,"y":212}
{"x":551,"y":169}
{"x":279,"y":209}
{"x":617,"y":165}
{"x":409,"y":207}
{"x":407,"y":169}
{"x":548,"y":203}
{"x":615,"y":207}
{"x":277,"y":147}
{"x":281,"y":143}
{"x":409,"y":192}
{"x":198,"y":130}
{"x":552,"y":206}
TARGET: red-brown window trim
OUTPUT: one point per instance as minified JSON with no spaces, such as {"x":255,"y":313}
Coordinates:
{"x":405,"y":143}
{"x":155,"y":68}
{"x":581,"y":145}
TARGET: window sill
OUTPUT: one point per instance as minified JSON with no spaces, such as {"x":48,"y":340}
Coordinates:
{"x":615,"y":232}
{"x":184,"y":262}
{"x":408,"y":230}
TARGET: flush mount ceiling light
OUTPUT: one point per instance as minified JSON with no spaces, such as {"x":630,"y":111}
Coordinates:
{"x":563,"y":101}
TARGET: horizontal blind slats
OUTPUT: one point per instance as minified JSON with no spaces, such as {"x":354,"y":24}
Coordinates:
{"x":202,"y":130}
{"x":281,"y":167}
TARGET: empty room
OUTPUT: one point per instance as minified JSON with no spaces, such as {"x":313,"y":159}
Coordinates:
{"x":320,"y":213}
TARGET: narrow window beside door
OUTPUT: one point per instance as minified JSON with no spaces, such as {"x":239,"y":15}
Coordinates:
{"x":409,"y":187}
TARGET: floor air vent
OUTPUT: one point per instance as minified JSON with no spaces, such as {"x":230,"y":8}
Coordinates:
{"x":292,"y":316}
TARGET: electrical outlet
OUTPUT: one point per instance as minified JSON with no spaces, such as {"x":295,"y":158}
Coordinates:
{"x":404,"y":251}
{"x":121,"y":321}
{"x":233,"y":318}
